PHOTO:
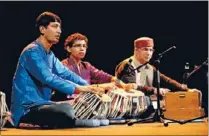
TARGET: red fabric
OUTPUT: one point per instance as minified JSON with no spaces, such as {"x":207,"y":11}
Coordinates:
{"x":76,"y":92}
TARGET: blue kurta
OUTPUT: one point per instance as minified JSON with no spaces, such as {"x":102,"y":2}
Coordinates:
{"x":37,"y":73}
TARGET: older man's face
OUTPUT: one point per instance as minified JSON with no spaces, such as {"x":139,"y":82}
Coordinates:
{"x":144,"y":54}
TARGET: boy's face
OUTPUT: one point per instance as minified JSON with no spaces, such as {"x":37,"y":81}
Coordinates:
{"x":78,"y":49}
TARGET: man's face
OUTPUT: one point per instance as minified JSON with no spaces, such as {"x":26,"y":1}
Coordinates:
{"x":144,"y":54}
{"x":78,"y":49}
{"x":52,"y":32}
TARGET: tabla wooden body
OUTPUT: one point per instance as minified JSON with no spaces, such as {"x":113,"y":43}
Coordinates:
{"x":91,"y":106}
{"x":125,"y":104}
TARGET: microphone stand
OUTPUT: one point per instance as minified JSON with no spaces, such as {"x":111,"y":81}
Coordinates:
{"x":158,"y":112}
{"x":158,"y":116}
{"x":197,"y":68}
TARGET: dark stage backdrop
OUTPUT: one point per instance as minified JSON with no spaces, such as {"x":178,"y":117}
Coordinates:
{"x":111,"y":28}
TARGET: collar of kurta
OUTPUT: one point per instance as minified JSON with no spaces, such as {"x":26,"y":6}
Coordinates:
{"x":135,"y":63}
{"x":42,"y":46}
{"x":72,"y":62}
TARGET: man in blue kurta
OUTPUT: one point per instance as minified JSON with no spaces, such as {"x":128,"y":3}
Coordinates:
{"x":38,"y":72}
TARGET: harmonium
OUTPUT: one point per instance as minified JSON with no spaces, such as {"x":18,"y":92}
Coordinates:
{"x":183,"y":105}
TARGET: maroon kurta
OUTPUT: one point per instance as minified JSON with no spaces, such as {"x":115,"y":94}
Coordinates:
{"x":88,"y":72}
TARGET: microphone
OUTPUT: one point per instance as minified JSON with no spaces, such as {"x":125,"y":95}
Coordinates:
{"x":186,"y":73}
{"x":173,"y":47}
{"x":126,"y":68}
{"x":160,"y":55}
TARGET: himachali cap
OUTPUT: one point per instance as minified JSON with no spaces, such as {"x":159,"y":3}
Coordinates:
{"x":144,"y":42}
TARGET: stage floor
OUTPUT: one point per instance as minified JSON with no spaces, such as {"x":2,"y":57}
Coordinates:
{"x":199,"y":128}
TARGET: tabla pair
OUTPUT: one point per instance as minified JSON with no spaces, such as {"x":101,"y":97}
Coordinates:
{"x":115,"y":104}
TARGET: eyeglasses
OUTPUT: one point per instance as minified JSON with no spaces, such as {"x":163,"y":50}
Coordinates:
{"x":147,"y":49}
{"x":80,"y":45}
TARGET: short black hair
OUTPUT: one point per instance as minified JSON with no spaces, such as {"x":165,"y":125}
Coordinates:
{"x":45,"y":18}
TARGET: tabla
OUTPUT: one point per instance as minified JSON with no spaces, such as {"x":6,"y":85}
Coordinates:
{"x":127,"y":105}
{"x":4,"y":114}
{"x":91,"y":106}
